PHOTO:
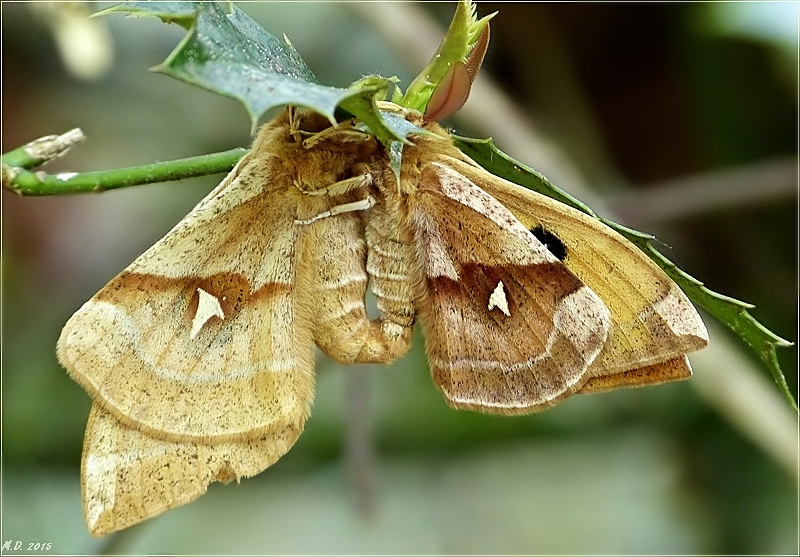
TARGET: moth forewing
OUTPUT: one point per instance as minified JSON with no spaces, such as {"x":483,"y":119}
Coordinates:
{"x":653,"y":322}
{"x":146,"y":354}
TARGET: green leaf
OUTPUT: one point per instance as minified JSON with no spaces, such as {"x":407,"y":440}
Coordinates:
{"x":228,"y":53}
{"x":732,"y":313}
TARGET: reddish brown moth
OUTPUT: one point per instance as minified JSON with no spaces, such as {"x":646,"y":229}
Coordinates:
{"x":199,"y":356}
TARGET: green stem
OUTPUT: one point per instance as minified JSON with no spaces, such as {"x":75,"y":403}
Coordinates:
{"x":25,"y":182}
{"x":42,"y":150}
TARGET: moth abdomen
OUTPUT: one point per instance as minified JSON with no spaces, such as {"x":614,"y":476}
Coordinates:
{"x":333,"y":279}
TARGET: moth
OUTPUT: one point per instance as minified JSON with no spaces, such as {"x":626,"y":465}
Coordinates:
{"x":199,"y":357}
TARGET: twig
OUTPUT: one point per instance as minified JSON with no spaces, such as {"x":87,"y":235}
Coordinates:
{"x":760,"y":182}
{"x":25,"y":182}
{"x":359,"y":442}
{"x":43,"y":150}
{"x":736,"y":388}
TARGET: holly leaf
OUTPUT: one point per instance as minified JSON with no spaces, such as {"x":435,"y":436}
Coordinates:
{"x":228,"y":53}
{"x":731,"y":312}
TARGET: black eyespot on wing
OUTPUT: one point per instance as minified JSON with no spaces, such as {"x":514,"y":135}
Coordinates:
{"x":552,"y":242}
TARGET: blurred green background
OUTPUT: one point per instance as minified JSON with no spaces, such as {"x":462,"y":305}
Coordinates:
{"x":678,"y":119}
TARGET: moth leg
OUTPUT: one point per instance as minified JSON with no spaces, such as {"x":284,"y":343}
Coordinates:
{"x":360,"y":205}
{"x":343,"y":186}
{"x":341,"y":135}
{"x":295,"y":119}
{"x":362,"y":180}
{"x":388,"y":106}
